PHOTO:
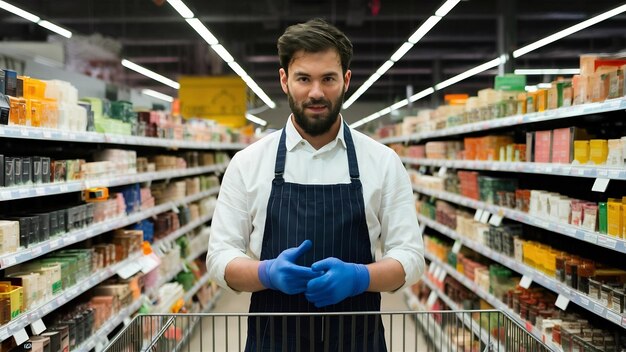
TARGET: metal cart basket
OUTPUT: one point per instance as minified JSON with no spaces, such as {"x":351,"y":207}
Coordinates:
{"x":448,"y":331}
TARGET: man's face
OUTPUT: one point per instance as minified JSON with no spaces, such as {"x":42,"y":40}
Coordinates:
{"x":315,"y":87}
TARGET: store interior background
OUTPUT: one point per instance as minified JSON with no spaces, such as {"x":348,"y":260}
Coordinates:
{"x":154,"y":35}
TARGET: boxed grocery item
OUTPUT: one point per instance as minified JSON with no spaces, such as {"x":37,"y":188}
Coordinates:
{"x":543,"y":147}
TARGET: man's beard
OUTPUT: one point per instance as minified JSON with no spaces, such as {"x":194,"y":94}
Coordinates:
{"x":321,"y":124}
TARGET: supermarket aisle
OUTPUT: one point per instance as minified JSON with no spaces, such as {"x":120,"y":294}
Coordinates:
{"x":228,"y":337}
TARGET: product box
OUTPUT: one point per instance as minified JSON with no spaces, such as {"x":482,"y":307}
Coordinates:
{"x":44,"y":226}
{"x":37,"y":169}
{"x":543,"y":146}
{"x":614,"y":217}
{"x":55,"y":340}
{"x":45,"y":170}
{"x":5,"y":109}
{"x":598,"y":151}
{"x":64,"y":335}
{"x":563,"y":143}
{"x":602,"y":217}
{"x":9,"y":236}
{"x":59,"y":171}
{"x":10,"y":82}
{"x":30,"y":285}
{"x":27,"y":170}
{"x":15,"y":294}
{"x":17,"y":171}
{"x":9,"y":173}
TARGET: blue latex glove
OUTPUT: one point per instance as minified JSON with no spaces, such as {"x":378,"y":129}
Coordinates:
{"x":283,"y":274}
{"x":339,"y":281}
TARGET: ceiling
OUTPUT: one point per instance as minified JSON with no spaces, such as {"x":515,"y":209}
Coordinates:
{"x":153,"y":34}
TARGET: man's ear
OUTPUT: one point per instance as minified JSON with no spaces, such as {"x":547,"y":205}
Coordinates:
{"x":346,"y":79}
{"x":283,"y":80}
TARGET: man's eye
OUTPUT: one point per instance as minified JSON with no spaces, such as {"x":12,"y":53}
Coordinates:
{"x":329,"y":79}
{"x":303,"y":79}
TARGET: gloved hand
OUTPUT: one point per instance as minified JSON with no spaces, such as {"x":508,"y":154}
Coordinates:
{"x":283,"y":275}
{"x":339,"y":281}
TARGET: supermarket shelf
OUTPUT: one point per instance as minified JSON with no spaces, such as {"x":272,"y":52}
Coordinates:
{"x":429,"y":326}
{"x":34,"y":314}
{"x":487,"y":339}
{"x":23,"y":132}
{"x":101,"y":336}
{"x":67,"y":239}
{"x":196,"y":287}
{"x":555,"y":114}
{"x":540,"y":278}
{"x":172,"y":274}
{"x":183,"y":230}
{"x":596,"y":238}
{"x":195,"y":321}
{"x":529,"y":168}
{"x":32,"y":191}
{"x":491,"y":299}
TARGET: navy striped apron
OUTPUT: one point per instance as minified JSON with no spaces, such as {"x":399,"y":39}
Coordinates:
{"x":333,"y":218}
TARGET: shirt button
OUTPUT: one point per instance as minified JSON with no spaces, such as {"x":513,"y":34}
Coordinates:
{"x":302,"y":143}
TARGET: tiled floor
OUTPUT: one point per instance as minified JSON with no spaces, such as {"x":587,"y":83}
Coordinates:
{"x":221,"y":334}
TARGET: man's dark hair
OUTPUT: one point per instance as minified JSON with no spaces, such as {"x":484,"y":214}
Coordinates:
{"x":314,"y":36}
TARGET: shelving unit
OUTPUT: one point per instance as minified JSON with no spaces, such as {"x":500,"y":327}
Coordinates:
{"x":34,"y":314}
{"x":38,"y":133}
{"x":70,"y":238}
{"x":587,"y":171}
{"x":495,"y":302}
{"x":595,"y":238}
{"x":32,"y":191}
{"x":101,"y":336}
{"x":555,"y":114}
{"x":579,"y":298}
{"x":475,"y":327}
{"x":429,"y":326}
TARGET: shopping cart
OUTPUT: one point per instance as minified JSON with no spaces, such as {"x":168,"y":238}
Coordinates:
{"x":448,"y":331}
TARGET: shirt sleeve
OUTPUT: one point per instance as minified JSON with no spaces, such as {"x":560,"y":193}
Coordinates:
{"x":231,"y":225}
{"x":400,"y":236}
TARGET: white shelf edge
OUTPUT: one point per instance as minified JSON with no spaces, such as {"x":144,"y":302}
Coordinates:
{"x":47,"y":189}
{"x":38,"y":133}
{"x":39,"y":249}
{"x":588,"y":171}
{"x":595,"y":238}
{"x":110,"y":325}
{"x":496,"y":303}
{"x":33,"y":314}
{"x":554,"y":114}
{"x":472,"y":325}
{"x":540,"y":278}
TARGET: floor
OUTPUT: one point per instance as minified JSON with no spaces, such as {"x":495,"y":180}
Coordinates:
{"x":229,"y":334}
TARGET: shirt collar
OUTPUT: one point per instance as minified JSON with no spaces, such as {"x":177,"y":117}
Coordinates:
{"x":294,"y":137}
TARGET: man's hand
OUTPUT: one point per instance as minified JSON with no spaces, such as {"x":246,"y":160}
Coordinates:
{"x":283,"y":275}
{"x":339,"y":281}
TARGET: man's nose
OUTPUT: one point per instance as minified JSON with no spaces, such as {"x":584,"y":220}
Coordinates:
{"x":316,"y":91}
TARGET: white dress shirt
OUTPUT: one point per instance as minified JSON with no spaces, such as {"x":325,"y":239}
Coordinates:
{"x":239,"y":219}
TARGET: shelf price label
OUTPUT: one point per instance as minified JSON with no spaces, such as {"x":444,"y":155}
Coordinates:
{"x":457,"y":247}
{"x":20,"y":336}
{"x":38,"y":327}
{"x":600,"y":185}
{"x":525,"y":281}
{"x":562,"y":302}
{"x":478,"y":215}
{"x":496,"y":220}
{"x":485,"y":217}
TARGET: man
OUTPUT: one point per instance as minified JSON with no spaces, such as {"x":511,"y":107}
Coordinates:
{"x":310,"y":202}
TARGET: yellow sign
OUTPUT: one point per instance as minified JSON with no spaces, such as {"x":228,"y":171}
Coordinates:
{"x":219,"y":98}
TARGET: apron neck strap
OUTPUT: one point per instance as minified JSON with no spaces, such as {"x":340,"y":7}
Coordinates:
{"x":353,"y":166}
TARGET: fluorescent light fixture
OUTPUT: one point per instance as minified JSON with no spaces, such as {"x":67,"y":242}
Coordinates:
{"x":17,"y":11}
{"x":387,"y":65}
{"x":157,"y":95}
{"x":423,"y":29}
{"x":469,"y":73}
{"x":530,"y":88}
{"x":402,"y":103}
{"x":568,"y":31}
{"x":54,"y":28}
{"x":446,"y":7}
{"x":544,"y":85}
{"x":547,"y":71}
{"x":204,"y":32}
{"x":238,"y":69}
{"x":151,"y":74}
{"x":255,"y":119}
{"x":417,"y":96}
{"x":181,"y":8}
{"x":261,"y":94}
{"x":223,"y":53}
{"x":401,"y":51}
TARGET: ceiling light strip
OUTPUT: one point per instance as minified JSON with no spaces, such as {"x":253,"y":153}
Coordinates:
{"x":405,"y":47}
{"x":36,"y":19}
{"x":150,"y":74}
{"x":255,"y":119}
{"x":547,"y":71}
{"x":157,"y":95}
{"x":219,"y":49}
{"x":569,"y":31}
{"x":495,"y":62}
